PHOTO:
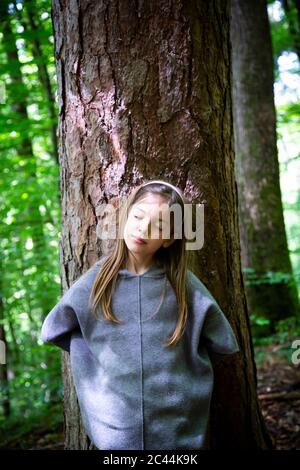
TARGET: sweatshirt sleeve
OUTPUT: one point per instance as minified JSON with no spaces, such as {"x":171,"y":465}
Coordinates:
{"x":59,"y":324}
{"x":218,"y":334}
{"x":71,"y":312}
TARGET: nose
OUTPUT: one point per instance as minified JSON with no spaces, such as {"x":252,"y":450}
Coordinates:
{"x":149,"y":230}
{"x":144,"y":229}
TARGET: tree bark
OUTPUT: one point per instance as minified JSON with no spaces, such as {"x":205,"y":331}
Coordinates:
{"x":144,"y":91}
{"x":263,"y":238}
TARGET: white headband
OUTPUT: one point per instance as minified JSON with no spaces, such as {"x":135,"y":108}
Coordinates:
{"x":166,"y":184}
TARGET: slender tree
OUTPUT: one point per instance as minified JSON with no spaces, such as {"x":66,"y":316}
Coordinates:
{"x":144,"y":90}
{"x":262,"y":229}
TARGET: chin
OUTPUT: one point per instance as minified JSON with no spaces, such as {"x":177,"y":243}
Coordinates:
{"x":131,"y":245}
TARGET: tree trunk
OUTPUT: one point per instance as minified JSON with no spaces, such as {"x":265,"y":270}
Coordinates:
{"x":144,"y":91}
{"x":263,"y":237}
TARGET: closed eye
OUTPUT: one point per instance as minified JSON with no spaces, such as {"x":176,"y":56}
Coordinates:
{"x":137,"y":217}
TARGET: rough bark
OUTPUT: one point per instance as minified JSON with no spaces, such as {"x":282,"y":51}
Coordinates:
{"x":144,"y":91}
{"x":262,"y":229}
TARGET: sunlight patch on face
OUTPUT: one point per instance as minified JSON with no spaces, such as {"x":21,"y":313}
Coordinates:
{"x":153,"y":218}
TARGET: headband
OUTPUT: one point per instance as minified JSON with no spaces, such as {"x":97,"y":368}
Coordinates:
{"x":166,"y":184}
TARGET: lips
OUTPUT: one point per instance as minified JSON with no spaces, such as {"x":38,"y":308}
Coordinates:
{"x":138,"y":240}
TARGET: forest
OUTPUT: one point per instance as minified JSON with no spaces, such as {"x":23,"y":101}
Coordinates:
{"x":98,"y":96}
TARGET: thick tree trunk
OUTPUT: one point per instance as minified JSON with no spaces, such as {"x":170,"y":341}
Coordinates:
{"x":144,"y":91}
{"x":263,"y":237}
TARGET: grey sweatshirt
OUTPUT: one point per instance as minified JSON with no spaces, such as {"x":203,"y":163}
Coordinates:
{"x":134,"y":393}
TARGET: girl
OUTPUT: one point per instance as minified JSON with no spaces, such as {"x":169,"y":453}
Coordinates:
{"x":143,"y":333}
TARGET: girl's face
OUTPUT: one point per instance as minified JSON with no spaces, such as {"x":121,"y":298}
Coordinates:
{"x":149,"y":221}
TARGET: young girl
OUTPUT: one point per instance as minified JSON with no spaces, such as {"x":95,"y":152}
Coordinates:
{"x":143,"y":333}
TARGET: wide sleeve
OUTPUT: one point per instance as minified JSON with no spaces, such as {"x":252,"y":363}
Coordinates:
{"x":72,"y":312}
{"x":218,"y":334}
{"x":58,"y":325}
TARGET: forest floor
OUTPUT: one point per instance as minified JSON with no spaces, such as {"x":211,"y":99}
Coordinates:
{"x":278,"y":386}
{"x":278,"y":391}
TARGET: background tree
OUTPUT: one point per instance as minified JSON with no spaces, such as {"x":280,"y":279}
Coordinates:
{"x":287,"y":85}
{"x":130,"y":79}
{"x":292,"y":15}
{"x":263,"y":238}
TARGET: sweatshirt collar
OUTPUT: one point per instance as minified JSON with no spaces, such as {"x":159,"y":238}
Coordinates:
{"x":153,"y":271}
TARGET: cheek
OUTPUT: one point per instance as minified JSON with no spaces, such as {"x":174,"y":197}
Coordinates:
{"x":126,"y":230}
{"x":129,"y":226}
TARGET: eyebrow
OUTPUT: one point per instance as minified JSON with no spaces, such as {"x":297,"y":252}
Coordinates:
{"x":160,"y":219}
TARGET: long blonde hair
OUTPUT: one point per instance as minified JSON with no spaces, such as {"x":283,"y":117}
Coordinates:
{"x":174,"y":260}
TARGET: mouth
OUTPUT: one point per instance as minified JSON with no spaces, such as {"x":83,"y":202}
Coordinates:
{"x":138,"y":240}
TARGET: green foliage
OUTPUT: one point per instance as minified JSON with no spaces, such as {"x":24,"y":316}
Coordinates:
{"x":270,"y":277}
{"x":279,"y":344}
{"x":281,"y":36}
{"x":30,"y":210}
{"x":259,"y":320}
{"x":16,"y":433}
{"x":285,"y":330}
{"x":285,"y":32}
{"x":288,"y":328}
{"x":288,"y":114}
